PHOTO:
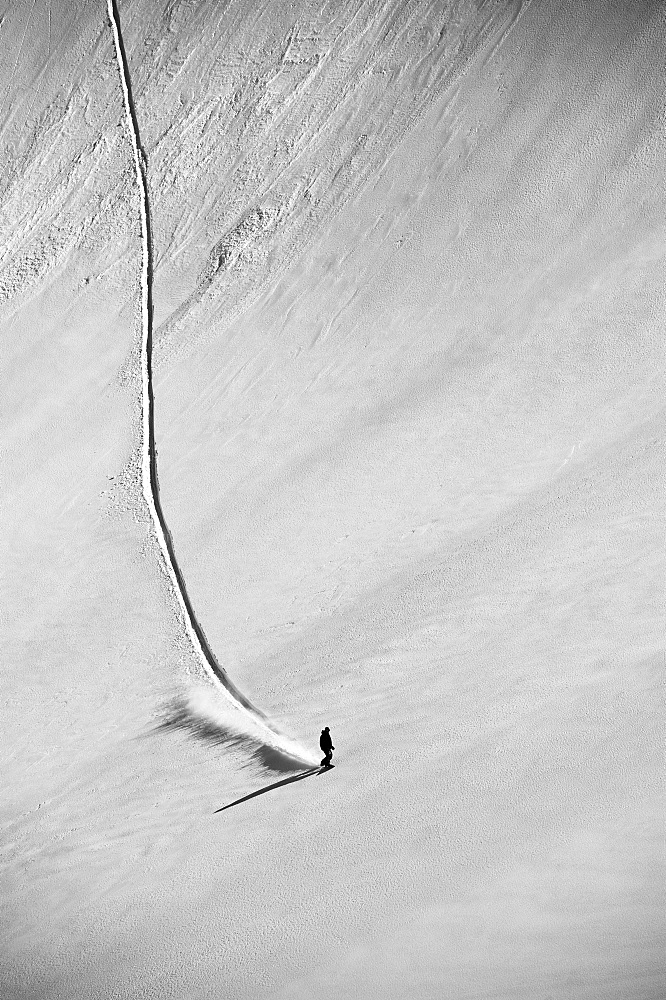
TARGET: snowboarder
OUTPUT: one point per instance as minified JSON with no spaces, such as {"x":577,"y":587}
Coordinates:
{"x":326,"y":743}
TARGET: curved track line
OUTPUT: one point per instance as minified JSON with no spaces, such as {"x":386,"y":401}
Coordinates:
{"x":150,"y":482}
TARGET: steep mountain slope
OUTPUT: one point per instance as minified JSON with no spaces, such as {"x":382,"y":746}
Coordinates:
{"x":408,"y":365}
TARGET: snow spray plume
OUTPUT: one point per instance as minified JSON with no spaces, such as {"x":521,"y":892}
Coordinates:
{"x":200,"y":714}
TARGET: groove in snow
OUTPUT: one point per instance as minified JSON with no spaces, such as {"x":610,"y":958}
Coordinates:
{"x":253,"y":718}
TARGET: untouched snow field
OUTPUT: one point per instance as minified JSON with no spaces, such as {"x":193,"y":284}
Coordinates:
{"x":408,"y":369}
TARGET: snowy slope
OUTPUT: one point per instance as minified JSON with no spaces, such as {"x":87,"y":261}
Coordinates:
{"x":409,"y":416}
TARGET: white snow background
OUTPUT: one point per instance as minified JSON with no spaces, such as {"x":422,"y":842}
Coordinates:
{"x":408,"y":370}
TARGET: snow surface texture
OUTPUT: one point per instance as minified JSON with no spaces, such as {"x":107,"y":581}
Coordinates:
{"x":408,"y":375}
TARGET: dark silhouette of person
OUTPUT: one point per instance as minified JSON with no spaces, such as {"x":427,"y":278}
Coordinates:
{"x":326,"y":743}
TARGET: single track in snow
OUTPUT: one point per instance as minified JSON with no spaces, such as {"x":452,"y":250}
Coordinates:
{"x":149,"y":478}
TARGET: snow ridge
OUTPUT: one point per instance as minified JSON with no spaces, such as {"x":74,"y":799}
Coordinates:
{"x":150,"y":484}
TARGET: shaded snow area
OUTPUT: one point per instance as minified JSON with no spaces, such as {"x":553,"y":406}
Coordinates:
{"x":332,"y":393}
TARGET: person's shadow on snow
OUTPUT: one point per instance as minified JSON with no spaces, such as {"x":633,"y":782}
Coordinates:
{"x":277,"y":784}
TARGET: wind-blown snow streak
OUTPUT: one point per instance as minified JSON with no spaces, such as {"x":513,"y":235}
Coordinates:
{"x":150,"y":483}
